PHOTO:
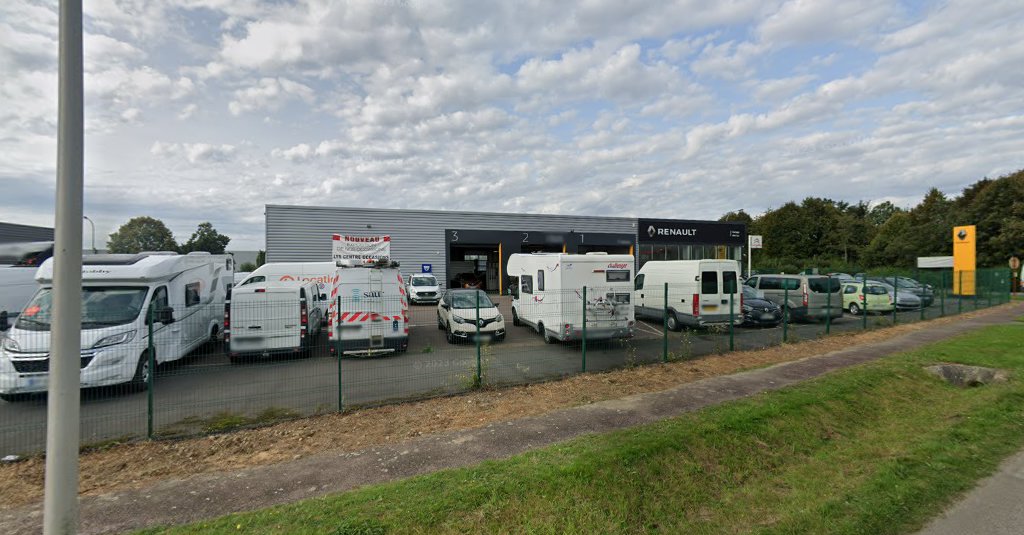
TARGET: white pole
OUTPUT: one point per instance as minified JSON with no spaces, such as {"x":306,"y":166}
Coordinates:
{"x":750,"y":253}
{"x":60,"y":507}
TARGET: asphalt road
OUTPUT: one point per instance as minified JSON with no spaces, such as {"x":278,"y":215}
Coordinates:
{"x":206,"y":384}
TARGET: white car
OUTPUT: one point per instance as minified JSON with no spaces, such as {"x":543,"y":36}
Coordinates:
{"x":457,"y":316}
{"x":422,"y":288}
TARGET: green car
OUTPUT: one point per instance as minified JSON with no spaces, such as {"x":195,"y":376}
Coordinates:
{"x":877,"y":298}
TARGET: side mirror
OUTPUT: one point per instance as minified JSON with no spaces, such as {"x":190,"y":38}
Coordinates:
{"x":165,"y":315}
{"x":323,"y":297}
{"x":445,"y":306}
{"x":5,"y":325}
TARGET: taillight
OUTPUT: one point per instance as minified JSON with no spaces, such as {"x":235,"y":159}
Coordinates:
{"x":696,"y":305}
{"x":303,"y":316}
{"x":805,"y":295}
{"x":227,"y":322}
{"x":568,"y":328}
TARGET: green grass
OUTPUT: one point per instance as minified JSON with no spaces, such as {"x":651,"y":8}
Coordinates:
{"x":879,"y":448}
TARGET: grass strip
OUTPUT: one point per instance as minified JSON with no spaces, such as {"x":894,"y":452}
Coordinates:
{"x":879,"y":448}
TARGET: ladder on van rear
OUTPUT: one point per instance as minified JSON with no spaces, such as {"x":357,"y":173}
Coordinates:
{"x":375,"y":304}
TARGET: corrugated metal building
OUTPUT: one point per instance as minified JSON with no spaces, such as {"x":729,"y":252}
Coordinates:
{"x":14,"y":233}
{"x":459,"y":245}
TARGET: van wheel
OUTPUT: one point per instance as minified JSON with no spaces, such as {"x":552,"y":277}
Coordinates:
{"x":854,"y":309}
{"x":515,"y":318}
{"x":672,"y":322}
{"x":213,"y":334}
{"x":140,"y":380}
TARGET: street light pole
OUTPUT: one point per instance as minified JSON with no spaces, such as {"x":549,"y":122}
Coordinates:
{"x":60,"y":502}
{"x":93,"y":226}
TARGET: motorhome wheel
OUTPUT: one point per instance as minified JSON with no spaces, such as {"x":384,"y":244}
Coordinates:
{"x":140,"y":380}
{"x":515,"y":318}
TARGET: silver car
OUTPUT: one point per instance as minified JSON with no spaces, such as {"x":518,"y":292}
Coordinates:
{"x":903,"y":299}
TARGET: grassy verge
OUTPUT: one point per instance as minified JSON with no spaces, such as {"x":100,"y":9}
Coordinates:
{"x":875,"y":449}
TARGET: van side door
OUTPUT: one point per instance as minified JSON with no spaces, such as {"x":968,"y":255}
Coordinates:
{"x":167,"y":340}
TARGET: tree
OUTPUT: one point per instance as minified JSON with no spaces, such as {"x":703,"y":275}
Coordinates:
{"x":206,"y":238}
{"x":881,"y":213}
{"x":737,"y":217}
{"x":141,"y":234}
{"x":261,"y":258}
{"x":247,"y":267}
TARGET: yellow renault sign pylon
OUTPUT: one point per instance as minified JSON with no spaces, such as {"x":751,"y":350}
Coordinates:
{"x":964,"y":269}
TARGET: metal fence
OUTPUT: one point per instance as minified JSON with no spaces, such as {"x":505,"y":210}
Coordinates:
{"x":157,"y":368}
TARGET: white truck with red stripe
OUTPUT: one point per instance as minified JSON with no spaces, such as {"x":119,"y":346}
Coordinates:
{"x":371,"y":310}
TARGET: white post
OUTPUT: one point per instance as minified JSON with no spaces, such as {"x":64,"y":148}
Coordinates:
{"x":750,"y":253}
{"x":60,"y":507}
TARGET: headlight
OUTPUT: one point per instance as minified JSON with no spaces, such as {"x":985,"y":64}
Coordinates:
{"x":115,"y":339}
{"x":457,"y":319}
{"x":746,"y":308}
{"x":499,"y":318}
{"x":11,"y":345}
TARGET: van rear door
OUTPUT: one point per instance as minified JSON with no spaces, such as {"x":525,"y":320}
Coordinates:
{"x":265,"y":318}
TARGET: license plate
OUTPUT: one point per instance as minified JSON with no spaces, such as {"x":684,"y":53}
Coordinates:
{"x":34,"y":381}
{"x":768,"y":316}
{"x":486,"y":337}
{"x":710,"y":308}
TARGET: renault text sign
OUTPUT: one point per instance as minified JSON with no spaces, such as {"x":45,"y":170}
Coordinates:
{"x":702,"y":232}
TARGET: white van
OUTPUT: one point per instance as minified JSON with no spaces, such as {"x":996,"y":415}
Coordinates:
{"x":547,"y":294}
{"x":263,"y":318}
{"x":321,"y":273}
{"x":187,"y":293}
{"x":371,"y":310}
{"x":698,"y":292}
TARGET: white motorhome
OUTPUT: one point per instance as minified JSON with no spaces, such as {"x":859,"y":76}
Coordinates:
{"x":698,"y":292}
{"x":547,"y":294}
{"x":264,"y":318}
{"x":371,"y":310}
{"x":187,"y":295}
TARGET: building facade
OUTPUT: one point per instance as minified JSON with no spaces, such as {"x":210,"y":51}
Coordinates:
{"x":15,"y":233}
{"x":461,"y":247}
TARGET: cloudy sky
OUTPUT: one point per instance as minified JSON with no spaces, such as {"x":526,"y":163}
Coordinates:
{"x":208,"y":109}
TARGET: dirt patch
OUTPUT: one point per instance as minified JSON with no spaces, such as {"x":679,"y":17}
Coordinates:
{"x":136,"y":464}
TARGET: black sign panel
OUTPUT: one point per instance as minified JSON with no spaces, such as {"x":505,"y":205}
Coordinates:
{"x":701,"y":232}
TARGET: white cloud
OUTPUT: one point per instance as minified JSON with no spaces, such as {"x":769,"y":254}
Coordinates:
{"x":269,"y":94}
{"x":195,"y":153}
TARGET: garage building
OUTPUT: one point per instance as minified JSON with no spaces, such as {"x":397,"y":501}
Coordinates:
{"x":475,"y":246}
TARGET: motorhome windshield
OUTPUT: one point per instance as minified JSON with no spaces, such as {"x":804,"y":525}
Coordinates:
{"x":424,"y":281}
{"x":102,"y":306}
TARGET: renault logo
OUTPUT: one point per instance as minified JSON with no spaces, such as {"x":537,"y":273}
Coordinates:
{"x":650,"y":231}
{"x":962,"y":234}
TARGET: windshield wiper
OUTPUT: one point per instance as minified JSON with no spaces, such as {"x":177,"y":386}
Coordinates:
{"x":107,"y":323}
{"x":30,"y":320}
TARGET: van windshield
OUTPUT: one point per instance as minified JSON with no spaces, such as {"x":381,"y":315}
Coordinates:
{"x":102,"y":306}
{"x":424,"y":281}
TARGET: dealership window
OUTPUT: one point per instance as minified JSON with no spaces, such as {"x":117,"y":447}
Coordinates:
{"x":698,"y":252}
{"x":709,"y":282}
{"x":645,"y":253}
{"x":659,"y":252}
{"x":685,"y":252}
{"x":671,"y":252}
{"x":540,"y":280}
{"x":192,"y":294}
{"x":527,"y":284}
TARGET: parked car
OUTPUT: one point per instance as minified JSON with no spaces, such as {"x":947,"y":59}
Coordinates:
{"x":902,"y":299}
{"x":811,"y":297}
{"x":457,"y":316}
{"x":873,"y":298}
{"x":923,"y":291}
{"x":758,"y":311}
{"x":422,"y":288}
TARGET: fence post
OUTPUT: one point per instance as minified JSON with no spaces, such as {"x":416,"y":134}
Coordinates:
{"x":960,"y":292}
{"x":479,"y":382}
{"x":584,"y":329}
{"x":664,"y":326}
{"x":828,"y":306}
{"x":732,"y":328}
{"x":988,"y":287}
{"x":864,"y":300}
{"x":975,"y":289}
{"x":151,"y":357}
{"x":895,"y":298}
{"x":917,"y":274}
{"x":785,"y":311}
{"x":942,"y":294}
{"x":338,"y":354}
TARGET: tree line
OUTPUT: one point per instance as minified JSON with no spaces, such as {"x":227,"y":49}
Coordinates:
{"x":842,"y":236}
{"x":150,"y":234}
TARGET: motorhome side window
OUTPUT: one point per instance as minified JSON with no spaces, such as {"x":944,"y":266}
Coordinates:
{"x":708,"y":282}
{"x":527,"y":284}
{"x":616,"y":275}
{"x":540,"y":280}
{"x":192,"y":294}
